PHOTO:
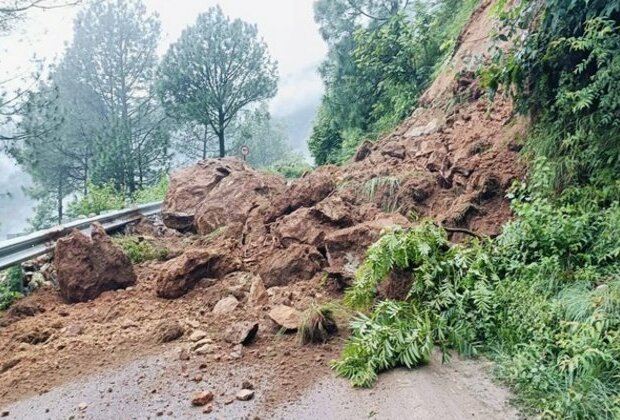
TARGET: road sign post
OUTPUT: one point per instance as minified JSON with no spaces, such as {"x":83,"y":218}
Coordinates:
{"x":245,"y":151}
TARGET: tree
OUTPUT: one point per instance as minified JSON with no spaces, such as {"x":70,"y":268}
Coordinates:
{"x":113,"y":60}
{"x":214,"y":70}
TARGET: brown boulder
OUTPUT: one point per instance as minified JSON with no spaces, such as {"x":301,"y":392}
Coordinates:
{"x":301,"y":226}
{"x":230,"y":203}
{"x":87,"y":267}
{"x":258,"y":293}
{"x":189,"y":187}
{"x":305,"y":192}
{"x":336,"y":211}
{"x":297,"y":262}
{"x":168,"y":331}
{"x":346,"y":248}
{"x":179,"y":275}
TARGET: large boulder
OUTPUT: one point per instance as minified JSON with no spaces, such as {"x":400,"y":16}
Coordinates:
{"x":301,"y":226}
{"x":87,"y":267}
{"x":305,"y":192}
{"x":346,"y":248}
{"x":297,"y":262}
{"x":179,"y":275}
{"x":190,"y":186}
{"x":230,"y":203}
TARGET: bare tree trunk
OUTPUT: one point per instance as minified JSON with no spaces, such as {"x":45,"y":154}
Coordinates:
{"x":220,"y":134}
{"x":59,"y":202}
{"x":204,"y":144}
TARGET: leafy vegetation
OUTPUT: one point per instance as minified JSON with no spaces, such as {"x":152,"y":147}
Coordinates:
{"x":140,"y":250}
{"x":107,"y":197}
{"x":11,"y":286}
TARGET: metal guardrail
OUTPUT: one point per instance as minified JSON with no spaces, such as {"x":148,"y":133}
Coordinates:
{"x":24,"y":248}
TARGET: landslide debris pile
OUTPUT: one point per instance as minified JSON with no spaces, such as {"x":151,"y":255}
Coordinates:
{"x":454,"y":168}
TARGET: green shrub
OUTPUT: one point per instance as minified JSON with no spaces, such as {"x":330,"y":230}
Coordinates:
{"x":291,"y":168}
{"x":11,"y":286}
{"x":99,"y":199}
{"x":140,"y":250}
{"x":155,"y":192}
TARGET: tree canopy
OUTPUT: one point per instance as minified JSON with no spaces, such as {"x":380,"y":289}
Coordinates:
{"x":216,"y":68}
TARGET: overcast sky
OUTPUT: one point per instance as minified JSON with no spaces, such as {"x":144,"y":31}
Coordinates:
{"x":287,"y":26}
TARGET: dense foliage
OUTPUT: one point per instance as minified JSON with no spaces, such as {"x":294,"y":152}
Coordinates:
{"x":382,"y":55}
{"x":542,"y":299}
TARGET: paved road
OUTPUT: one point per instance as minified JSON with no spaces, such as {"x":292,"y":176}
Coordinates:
{"x":154,"y":388}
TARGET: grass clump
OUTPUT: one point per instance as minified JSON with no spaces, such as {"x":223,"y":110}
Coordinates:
{"x":140,"y":250}
{"x":384,"y":187}
{"x":317,"y":324}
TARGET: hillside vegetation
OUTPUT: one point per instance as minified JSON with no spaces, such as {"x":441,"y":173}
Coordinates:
{"x":543,"y":298}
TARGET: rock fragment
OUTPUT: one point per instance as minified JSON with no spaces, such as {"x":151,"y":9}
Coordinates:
{"x":202,"y":398}
{"x":286,"y":317}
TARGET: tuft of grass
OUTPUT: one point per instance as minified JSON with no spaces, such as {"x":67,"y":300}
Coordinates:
{"x":386,"y":187}
{"x":317,"y":324}
{"x":140,"y":250}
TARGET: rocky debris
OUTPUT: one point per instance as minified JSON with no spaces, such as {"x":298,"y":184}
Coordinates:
{"x":168,"y":331}
{"x":74,"y":330}
{"x":236,"y":352}
{"x":190,"y":186}
{"x":335,"y":211}
{"x":304,"y":192}
{"x":286,"y":317}
{"x":285,"y":266}
{"x":10,"y":364}
{"x":202,"y":398}
{"x":393,"y":149}
{"x":205,"y":347}
{"x":82,"y":406}
{"x":24,"y":309}
{"x":88,"y":267}
{"x":245,"y":395}
{"x":225,"y":305}
{"x":363,"y":151}
{"x":247,"y":385}
{"x":230,"y":203}
{"x":258,"y":293}
{"x":242,"y":332}
{"x":184,"y":354}
{"x":197,"y":335}
{"x":179,"y":275}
